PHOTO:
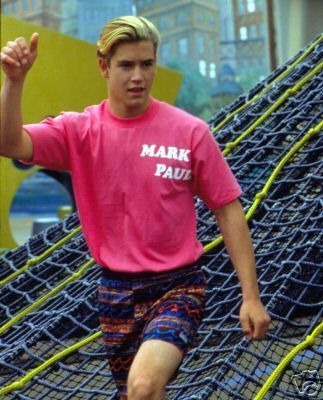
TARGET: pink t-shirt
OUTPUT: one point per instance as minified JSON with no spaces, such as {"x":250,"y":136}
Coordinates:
{"x":135,"y":179}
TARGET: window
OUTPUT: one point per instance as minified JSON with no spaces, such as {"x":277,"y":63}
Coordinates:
{"x":202,"y":67}
{"x":241,"y":7}
{"x":164,"y":23}
{"x":6,"y":8}
{"x":183,"y":47}
{"x":261,"y":4}
{"x":165,"y":51}
{"x":253,"y":31}
{"x":200,"y":42}
{"x":15,"y":7}
{"x":87,"y":16}
{"x":212,"y":20}
{"x":182,"y":17}
{"x":211,"y":47}
{"x":262,"y":30}
{"x":200,"y":17}
{"x":212,"y":72}
{"x":251,"y":6}
{"x":24,"y":5}
{"x":243,"y":33}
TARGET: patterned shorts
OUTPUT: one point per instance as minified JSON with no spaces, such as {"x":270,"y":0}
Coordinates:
{"x":166,"y":306}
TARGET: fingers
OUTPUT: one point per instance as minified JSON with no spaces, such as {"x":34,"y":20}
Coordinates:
{"x":254,"y":320}
{"x":12,"y":53}
{"x":7,"y":59}
{"x":34,"y":43}
{"x":247,"y":327}
{"x":260,"y":327}
{"x":16,"y":53}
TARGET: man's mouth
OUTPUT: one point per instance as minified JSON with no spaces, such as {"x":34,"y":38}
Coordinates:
{"x":136,"y":90}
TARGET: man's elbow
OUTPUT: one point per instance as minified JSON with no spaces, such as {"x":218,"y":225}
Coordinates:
{"x":21,"y":150}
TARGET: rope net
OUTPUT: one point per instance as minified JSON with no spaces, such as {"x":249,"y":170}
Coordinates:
{"x":51,"y":346}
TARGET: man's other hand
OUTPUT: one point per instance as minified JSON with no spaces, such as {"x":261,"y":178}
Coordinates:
{"x":17,"y":57}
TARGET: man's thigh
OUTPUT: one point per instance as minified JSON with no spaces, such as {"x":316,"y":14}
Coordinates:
{"x":156,"y":359}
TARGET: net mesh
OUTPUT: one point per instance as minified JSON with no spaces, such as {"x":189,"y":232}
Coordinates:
{"x":48,"y":308}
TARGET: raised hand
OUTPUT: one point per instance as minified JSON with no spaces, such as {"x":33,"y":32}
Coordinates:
{"x":17,"y":57}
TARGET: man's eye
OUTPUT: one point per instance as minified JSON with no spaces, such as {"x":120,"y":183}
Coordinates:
{"x":148,"y":64}
{"x":125,"y":65}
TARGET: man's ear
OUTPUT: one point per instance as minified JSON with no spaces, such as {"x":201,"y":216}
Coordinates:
{"x":103,"y":68}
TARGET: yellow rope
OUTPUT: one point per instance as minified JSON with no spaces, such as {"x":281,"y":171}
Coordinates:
{"x":289,"y":92}
{"x":53,"y":292}
{"x":309,"y":341}
{"x":18,"y":385}
{"x":260,"y":196}
{"x":265,"y":90}
{"x":39,"y":258}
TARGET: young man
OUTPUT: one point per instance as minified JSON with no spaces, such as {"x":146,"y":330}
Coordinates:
{"x":136,"y":165}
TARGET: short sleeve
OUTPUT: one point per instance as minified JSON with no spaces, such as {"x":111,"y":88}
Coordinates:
{"x":212,"y":178}
{"x":50,"y":145}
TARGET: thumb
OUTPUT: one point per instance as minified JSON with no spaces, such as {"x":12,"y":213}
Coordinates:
{"x":33,"y":45}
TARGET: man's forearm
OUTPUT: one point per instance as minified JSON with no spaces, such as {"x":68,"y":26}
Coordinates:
{"x":254,"y":318}
{"x":234,"y":228}
{"x":11,"y":114}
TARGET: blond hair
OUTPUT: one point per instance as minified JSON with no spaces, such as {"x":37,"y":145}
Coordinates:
{"x":126,"y":29}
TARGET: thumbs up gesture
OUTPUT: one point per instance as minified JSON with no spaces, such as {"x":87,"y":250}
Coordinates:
{"x":17,"y":57}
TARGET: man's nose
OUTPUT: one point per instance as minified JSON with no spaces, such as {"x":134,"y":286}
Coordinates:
{"x":137,"y":73}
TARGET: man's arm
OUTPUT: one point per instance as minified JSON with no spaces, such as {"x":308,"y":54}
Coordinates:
{"x":232,"y":223}
{"x":16,"y":59}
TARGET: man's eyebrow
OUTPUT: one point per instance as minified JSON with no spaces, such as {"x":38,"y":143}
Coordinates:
{"x":124,"y":61}
{"x":131,"y":62}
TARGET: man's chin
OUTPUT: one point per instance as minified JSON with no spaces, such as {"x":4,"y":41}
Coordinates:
{"x":138,"y":102}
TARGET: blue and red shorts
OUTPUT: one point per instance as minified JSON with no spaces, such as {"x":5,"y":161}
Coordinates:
{"x":134,"y":308}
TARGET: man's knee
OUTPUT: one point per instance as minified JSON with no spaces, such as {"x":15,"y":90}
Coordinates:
{"x":143,"y":387}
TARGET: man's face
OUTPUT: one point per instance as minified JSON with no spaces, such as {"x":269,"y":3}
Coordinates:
{"x":130,"y":75}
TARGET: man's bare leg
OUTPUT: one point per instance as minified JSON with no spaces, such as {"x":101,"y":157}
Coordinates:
{"x":154,"y":365}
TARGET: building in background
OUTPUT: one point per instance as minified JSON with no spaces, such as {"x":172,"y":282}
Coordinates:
{"x":42,"y":12}
{"x":189,"y":30}
{"x":226,"y":90}
{"x":252,"y":51}
{"x":244,"y":41}
{"x":85,"y":18}
{"x":227,"y":34}
{"x":69,"y":18}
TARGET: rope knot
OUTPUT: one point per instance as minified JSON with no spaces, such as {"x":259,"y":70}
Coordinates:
{"x":310,"y":340}
{"x":292,"y":92}
{"x":230,"y":146}
{"x":314,"y":131}
{"x":261,"y":196}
